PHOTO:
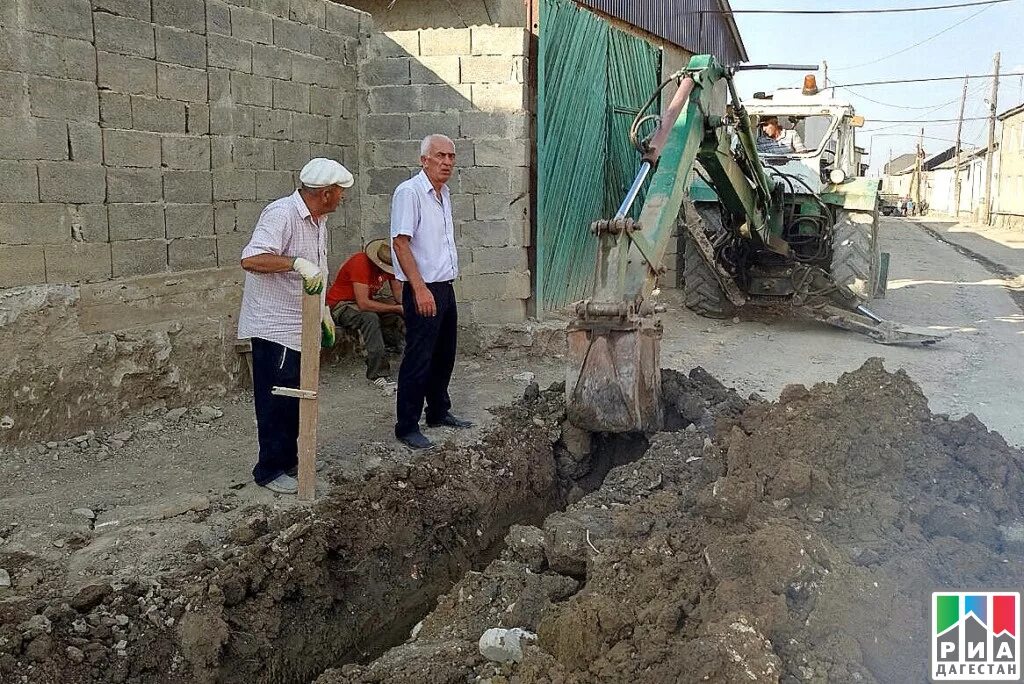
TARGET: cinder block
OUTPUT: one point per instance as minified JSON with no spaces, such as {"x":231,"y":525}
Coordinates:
{"x":78,"y":262}
{"x":190,"y":254}
{"x":229,"y":53}
{"x":136,"y":9}
{"x":133,"y":185}
{"x":231,"y":184}
{"x":506,"y":153}
{"x":491,"y":207}
{"x":79,"y":57}
{"x":188,"y":220}
{"x":484,"y":180}
{"x":223,"y":217}
{"x":385,"y":71}
{"x":247,"y":214}
{"x":496,"y":312}
{"x":498,"y":40}
{"x":277,"y":8}
{"x":519,"y":180}
{"x":30,"y":53}
{"x":136,"y":221}
{"x":394,"y":99}
{"x":125,"y":35}
{"x":22,"y":265}
{"x":431,"y":70}
{"x":342,"y":19}
{"x":342,"y":132}
{"x":181,"y":83}
{"x":130,"y":148}
{"x":291,"y":96}
{"x":494,"y":97}
{"x":445,"y":98}
{"x":138,"y":257}
{"x":309,"y":127}
{"x":328,"y":101}
{"x":462,"y":208}
{"x":160,"y":116}
{"x":228,"y":119}
{"x":85,"y":141}
{"x":71,"y":18}
{"x":20,"y":181}
{"x":71,"y":182}
{"x":499,"y":259}
{"x":220,"y":85}
{"x":315,"y":71}
{"x":253,"y":90}
{"x":179,"y":152}
{"x":89,"y":223}
{"x":123,"y":74}
{"x":31,"y":138}
{"x":496,"y":286}
{"x":274,"y":124}
{"x":34,"y":224}
{"x":491,"y":69}
{"x":273,"y":184}
{"x":268,"y":60}
{"x":311,"y":12}
{"x":188,"y":187}
{"x":422,"y":125}
{"x":444,"y":41}
{"x":180,"y":47}
{"x":332,"y":152}
{"x":386,"y":127}
{"x":63,"y":99}
{"x":115,"y":110}
{"x":290,"y":155}
{"x":484,"y":234}
{"x":197,"y":118}
{"x":493,"y":125}
{"x":328,"y":45}
{"x":388,"y":154}
{"x":222,"y":149}
{"x":230,"y":246}
{"x":395,"y":43}
{"x":252,"y":153}
{"x":13,"y":94}
{"x":184,"y":14}
{"x":218,"y":18}
{"x":291,"y":36}
{"x":384,"y":181}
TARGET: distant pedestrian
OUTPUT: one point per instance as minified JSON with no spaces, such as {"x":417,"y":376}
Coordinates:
{"x":910,"y":207}
{"x":356,"y":304}
{"x":423,"y":241}
{"x":286,"y":255}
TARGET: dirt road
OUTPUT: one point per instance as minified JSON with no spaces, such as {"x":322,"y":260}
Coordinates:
{"x":979,"y":369}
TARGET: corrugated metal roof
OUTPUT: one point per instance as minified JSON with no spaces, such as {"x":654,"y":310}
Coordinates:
{"x":699,"y":26}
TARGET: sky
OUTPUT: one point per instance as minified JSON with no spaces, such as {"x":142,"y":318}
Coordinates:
{"x":848,"y":42}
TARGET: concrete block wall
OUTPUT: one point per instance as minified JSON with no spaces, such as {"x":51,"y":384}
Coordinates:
{"x":468,"y":84}
{"x":139,"y":140}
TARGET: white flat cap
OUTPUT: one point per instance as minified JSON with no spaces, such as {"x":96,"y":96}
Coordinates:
{"x":322,"y":172}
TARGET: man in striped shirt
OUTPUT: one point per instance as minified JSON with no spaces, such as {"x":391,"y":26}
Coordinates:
{"x":286,"y":255}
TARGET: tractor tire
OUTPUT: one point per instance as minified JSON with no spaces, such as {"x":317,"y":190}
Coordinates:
{"x":855,"y":253}
{"x":703,"y":294}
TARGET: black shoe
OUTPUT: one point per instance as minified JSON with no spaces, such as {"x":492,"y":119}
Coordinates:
{"x":416,"y":440}
{"x":450,"y":420}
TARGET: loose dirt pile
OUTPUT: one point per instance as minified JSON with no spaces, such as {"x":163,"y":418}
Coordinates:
{"x":800,"y":541}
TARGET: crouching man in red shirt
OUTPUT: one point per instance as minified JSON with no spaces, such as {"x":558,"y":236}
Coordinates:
{"x":354,"y":305}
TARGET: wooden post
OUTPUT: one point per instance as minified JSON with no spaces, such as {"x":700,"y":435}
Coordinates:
{"x":956,"y":156}
{"x":309,"y":383}
{"x":986,"y":208}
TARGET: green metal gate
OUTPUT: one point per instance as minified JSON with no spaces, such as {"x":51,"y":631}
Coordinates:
{"x":592,"y":80}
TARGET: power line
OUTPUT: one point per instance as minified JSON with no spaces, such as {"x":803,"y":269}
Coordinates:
{"x":908,"y":121}
{"x":917,"y":44}
{"x":895,"y":106}
{"x":887,"y":10}
{"x":920,"y":80}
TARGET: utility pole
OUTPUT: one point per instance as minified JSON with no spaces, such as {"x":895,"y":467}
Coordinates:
{"x":916,"y":181}
{"x":824,"y":65}
{"x":956,"y":155}
{"x":986,"y":208}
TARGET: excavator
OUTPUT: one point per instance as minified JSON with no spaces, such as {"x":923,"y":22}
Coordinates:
{"x":797,"y":226}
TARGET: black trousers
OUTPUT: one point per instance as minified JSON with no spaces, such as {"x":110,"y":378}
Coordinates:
{"x":429,"y":358}
{"x":277,"y":418}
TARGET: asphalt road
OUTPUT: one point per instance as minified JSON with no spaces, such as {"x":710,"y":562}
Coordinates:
{"x":970,"y":292}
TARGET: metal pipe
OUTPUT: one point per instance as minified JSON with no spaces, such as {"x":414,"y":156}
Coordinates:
{"x":865,"y":311}
{"x":634,"y":190}
{"x":668,"y":121}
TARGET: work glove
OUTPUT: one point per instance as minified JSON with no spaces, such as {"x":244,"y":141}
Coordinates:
{"x":327,"y":332}
{"x":312,"y":278}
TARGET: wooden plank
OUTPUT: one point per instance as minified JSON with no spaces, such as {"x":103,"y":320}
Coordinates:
{"x":309,"y":381}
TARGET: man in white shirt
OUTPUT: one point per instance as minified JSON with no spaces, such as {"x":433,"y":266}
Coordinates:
{"x":772,"y":138}
{"x":286,"y":255}
{"x":426,"y":262}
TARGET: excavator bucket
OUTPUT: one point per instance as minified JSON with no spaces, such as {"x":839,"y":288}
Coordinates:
{"x":613,"y":378}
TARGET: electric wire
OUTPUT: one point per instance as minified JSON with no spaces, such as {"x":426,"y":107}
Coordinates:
{"x":882,"y":10}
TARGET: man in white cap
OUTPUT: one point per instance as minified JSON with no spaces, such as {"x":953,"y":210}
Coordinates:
{"x":286,"y":255}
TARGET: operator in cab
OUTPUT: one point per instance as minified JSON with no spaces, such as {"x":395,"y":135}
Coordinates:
{"x":772,"y":138}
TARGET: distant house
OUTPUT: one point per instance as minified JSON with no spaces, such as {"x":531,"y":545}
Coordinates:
{"x":1008,"y":209}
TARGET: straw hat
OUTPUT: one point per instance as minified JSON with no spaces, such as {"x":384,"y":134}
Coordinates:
{"x":379,"y":252}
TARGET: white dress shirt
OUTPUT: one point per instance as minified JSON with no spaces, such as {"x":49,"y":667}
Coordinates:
{"x":418,"y":211}
{"x":272,"y":302}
